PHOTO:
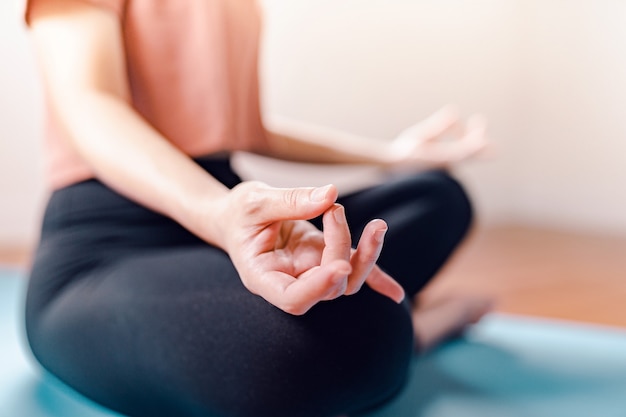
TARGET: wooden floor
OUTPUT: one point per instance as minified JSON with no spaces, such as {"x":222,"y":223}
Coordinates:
{"x":528,"y":271}
{"x":14,"y":257}
{"x":542,"y":272}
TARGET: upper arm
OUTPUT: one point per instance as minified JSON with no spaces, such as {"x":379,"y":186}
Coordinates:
{"x":80,"y":49}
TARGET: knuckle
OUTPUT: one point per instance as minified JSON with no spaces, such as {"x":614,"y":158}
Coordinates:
{"x":291,"y":198}
{"x":334,"y":295}
{"x":340,"y":289}
{"x":252,"y":200}
{"x":294,"y":309}
{"x":354,"y":289}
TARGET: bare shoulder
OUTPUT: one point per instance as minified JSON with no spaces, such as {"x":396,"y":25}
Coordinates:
{"x":38,"y":10}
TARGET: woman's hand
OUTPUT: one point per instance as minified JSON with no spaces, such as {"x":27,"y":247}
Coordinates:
{"x":290,"y":263}
{"x":439,"y":141}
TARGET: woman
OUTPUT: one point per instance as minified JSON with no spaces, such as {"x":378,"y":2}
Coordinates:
{"x":165,"y":286}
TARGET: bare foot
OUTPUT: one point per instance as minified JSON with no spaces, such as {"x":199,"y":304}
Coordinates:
{"x":438,"y":320}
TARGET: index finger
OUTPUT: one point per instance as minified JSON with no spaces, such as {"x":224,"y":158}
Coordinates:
{"x":297,"y":295}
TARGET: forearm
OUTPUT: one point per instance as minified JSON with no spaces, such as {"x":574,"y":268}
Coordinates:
{"x":80,"y":48}
{"x":130,"y":156}
{"x":296,"y":141}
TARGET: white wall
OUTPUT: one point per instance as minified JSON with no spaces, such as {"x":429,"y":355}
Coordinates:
{"x":549,"y":74}
{"x":574,"y":116}
{"x":21,"y":120}
{"x":377,"y":66}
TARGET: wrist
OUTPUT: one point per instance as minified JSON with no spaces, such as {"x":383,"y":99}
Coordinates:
{"x":202,"y":213}
{"x":391,"y":154}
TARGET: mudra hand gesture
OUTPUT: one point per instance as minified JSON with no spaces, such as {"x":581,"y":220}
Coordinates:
{"x":439,"y":141}
{"x":288,"y":261}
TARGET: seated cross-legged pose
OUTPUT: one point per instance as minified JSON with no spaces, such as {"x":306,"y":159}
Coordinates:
{"x":163,"y":285}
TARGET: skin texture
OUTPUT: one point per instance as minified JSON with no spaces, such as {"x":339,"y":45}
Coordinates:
{"x":292,"y":263}
{"x":263,"y":229}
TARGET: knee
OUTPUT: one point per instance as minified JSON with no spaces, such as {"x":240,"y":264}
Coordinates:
{"x":341,"y":357}
{"x":364,"y":354}
{"x":369,"y":350}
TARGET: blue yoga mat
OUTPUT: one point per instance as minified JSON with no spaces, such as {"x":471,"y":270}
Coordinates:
{"x":506,"y":366}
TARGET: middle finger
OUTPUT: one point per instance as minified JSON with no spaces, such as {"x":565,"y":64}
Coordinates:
{"x":366,"y":254}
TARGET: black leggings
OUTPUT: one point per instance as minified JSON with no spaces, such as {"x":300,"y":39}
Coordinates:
{"x":138,"y":314}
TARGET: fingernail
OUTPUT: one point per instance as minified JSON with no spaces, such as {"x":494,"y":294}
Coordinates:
{"x":339,"y":215}
{"x":319,"y":194}
{"x":379,"y":235}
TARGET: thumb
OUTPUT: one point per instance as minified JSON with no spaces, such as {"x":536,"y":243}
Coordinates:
{"x":296,"y":203}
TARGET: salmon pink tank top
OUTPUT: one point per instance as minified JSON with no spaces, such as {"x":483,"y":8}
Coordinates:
{"x":192,"y":70}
